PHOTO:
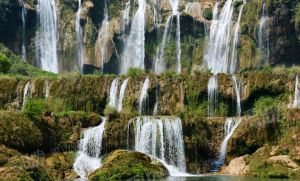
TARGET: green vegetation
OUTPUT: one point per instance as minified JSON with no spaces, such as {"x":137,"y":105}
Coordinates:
{"x":4,"y":64}
{"x":122,"y":165}
{"x":207,"y":14}
{"x":135,"y":72}
{"x":266,"y":106}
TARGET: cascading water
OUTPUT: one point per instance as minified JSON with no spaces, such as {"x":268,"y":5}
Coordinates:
{"x":296,"y":102}
{"x":104,"y":34}
{"x":47,"y":88}
{"x":160,"y":64}
{"x":121,"y":96}
{"x":162,"y":138}
{"x":79,"y":37}
{"x":143,"y":96}
{"x":217,"y":50}
{"x":212,"y":90}
{"x":156,"y":15}
{"x":263,"y":36}
{"x":237,"y":93}
{"x":233,"y":62}
{"x":46,"y":42}
{"x":24,"y":14}
{"x":229,"y":127}
{"x":134,"y":52}
{"x":113,"y":93}
{"x":90,"y":149}
{"x":25,"y":93}
{"x":126,"y":17}
{"x":155,"y":109}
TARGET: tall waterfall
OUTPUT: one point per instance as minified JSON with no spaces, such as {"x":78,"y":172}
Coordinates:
{"x":126,"y":17}
{"x":90,"y":149}
{"x":233,"y":62}
{"x":113,"y":93}
{"x":212,"y":90}
{"x":160,"y":64}
{"x":162,"y":138}
{"x":134,"y":52}
{"x":46,"y":42}
{"x":121,"y":96}
{"x":25,"y":93}
{"x":238,"y":96}
{"x":155,"y":109}
{"x":217,"y":55}
{"x":143,"y":96}
{"x":79,"y":37}
{"x":263,"y":36}
{"x":229,"y":127}
{"x":24,"y":14}
{"x":296,"y":102}
{"x":104,"y":34}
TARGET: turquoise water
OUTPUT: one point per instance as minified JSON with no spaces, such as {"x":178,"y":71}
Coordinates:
{"x":223,"y":178}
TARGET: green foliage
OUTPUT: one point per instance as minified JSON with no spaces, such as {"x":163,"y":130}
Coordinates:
{"x":266,"y":105}
{"x":4,"y":63}
{"x":207,"y":14}
{"x":297,"y":17}
{"x":35,"y":107}
{"x":111,"y":112}
{"x":135,"y":72}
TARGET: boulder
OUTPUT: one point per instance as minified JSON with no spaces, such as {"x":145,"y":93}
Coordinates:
{"x":123,"y":165}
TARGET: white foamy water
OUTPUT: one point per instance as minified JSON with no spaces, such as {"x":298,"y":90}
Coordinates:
{"x":25,"y":93}
{"x":134,"y":51}
{"x":79,"y":37}
{"x":162,"y":138}
{"x":46,"y":36}
{"x":296,"y":102}
{"x":212,"y":90}
{"x":143,"y":96}
{"x":113,"y":93}
{"x":90,"y":149}
{"x":122,"y":94}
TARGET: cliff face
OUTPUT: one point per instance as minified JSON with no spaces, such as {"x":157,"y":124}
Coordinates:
{"x":194,"y":22}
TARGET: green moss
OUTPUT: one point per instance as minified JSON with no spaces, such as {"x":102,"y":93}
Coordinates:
{"x":207,"y":13}
{"x":122,"y":165}
{"x":135,"y":72}
{"x":266,"y":105}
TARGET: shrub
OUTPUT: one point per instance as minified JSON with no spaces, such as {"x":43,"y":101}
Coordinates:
{"x":207,"y":14}
{"x":135,"y":72}
{"x":34,"y":107}
{"x":111,"y":112}
{"x":4,"y":63}
{"x":266,"y":105}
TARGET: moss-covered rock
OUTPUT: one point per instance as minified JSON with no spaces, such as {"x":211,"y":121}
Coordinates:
{"x":122,"y":165}
{"x":19,"y":132}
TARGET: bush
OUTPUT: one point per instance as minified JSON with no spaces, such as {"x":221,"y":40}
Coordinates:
{"x":207,"y":14}
{"x":35,"y":107}
{"x":4,"y":63}
{"x":266,"y":105}
{"x":135,"y":72}
{"x":111,"y":112}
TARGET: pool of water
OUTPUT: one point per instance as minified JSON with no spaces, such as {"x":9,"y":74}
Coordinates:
{"x":222,"y":178}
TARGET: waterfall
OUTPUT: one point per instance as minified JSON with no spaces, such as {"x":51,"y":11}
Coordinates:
{"x":24,"y":14}
{"x":143,"y":96}
{"x":178,"y":44}
{"x":263,"y":35}
{"x":79,"y":37}
{"x":121,"y":96}
{"x":296,"y":102}
{"x":126,"y":17}
{"x":217,"y":50}
{"x":212,"y":90}
{"x":155,"y":109}
{"x":25,"y":93}
{"x":47,"y":88}
{"x":233,"y":62}
{"x":229,"y":127}
{"x":113,"y":93}
{"x":90,"y":149}
{"x":237,"y":93}
{"x":160,"y":64}
{"x":134,"y":52}
{"x":46,"y":42}
{"x":162,"y":138}
{"x":104,"y":36}
{"x":156,"y":15}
